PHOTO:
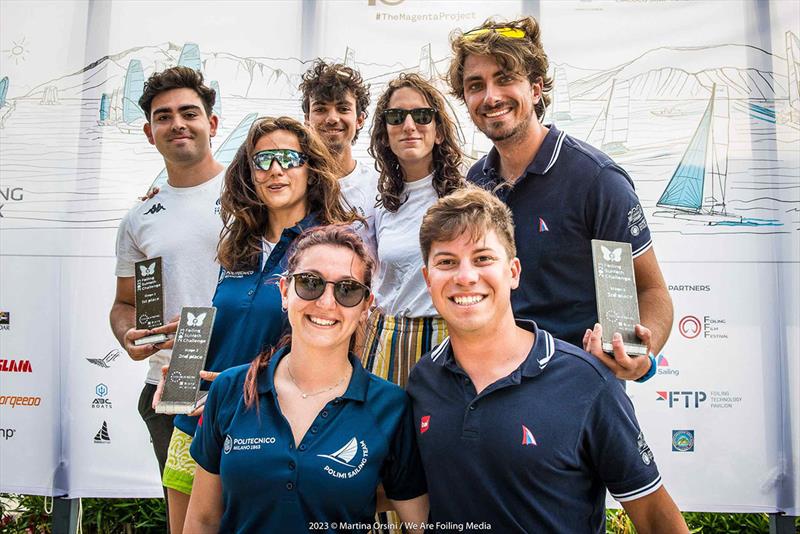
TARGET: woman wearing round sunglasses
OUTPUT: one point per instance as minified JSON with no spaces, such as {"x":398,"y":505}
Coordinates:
{"x":282,"y":181}
{"x":300,"y":439}
{"x":415,"y":147}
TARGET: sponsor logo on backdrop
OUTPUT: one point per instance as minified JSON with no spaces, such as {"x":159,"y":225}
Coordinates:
{"x":683,"y":441}
{"x":664,"y":368}
{"x":690,"y":288}
{"x":691,"y":327}
{"x":15,"y":366}
{"x":714,"y":399}
{"x":347,"y":456}
{"x":7,"y":433}
{"x":384,"y":2}
{"x":5,"y":320}
{"x":246,"y":444}
{"x":106,"y":361}
{"x":102,"y":437}
{"x":10,"y":194}
{"x":16,"y":401}
{"x":685,"y":399}
{"x":101,"y":401}
{"x":393,"y":15}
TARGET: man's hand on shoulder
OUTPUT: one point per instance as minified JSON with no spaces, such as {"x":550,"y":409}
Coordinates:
{"x":623,"y":366}
{"x":153,"y":191}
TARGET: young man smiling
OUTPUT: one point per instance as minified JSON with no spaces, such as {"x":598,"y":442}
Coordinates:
{"x":335,"y":101}
{"x":563,"y":193}
{"x":181,"y":224}
{"x":534,"y":429}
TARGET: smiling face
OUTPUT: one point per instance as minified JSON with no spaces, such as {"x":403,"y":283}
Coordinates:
{"x":412,"y":143}
{"x":323,"y":322}
{"x":282,"y":190}
{"x":470,"y":282}
{"x":337,"y":122}
{"x":501,"y":104}
{"x":179,"y":127}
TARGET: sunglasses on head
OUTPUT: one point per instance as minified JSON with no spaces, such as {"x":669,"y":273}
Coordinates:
{"x":511,"y":33}
{"x":348,"y":293}
{"x":396,"y":116}
{"x":286,"y":158}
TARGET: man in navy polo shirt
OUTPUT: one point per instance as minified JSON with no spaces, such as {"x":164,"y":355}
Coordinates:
{"x":518,"y":431}
{"x":563,"y":193}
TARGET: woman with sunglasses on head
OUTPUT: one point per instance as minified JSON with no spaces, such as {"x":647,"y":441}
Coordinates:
{"x":282,"y":181}
{"x":300,"y":439}
{"x":416,"y":151}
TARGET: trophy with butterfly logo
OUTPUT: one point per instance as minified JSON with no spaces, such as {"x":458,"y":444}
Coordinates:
{"x":182,"y":387}
{"x":617,"y":300}
{"x":149,"y":292}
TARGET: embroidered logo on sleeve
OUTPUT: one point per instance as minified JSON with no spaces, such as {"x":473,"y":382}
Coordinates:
{"x":644,"y":449}
{"x":636,"y":221}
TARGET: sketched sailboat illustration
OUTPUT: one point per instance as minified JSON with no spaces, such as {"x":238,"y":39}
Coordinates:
{"x":791,"y":116}
{"x":6,"y":106}
{"x":190,"y":56}
{"x":132,"y":114}
{"x":610,"y":129}
{"x":697,"y":190}
{"x":427,"y":69}
{"x":344,"y":455}
{"x":560,"y":106}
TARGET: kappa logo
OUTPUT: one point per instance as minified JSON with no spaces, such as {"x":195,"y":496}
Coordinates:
{"x":105,"y":361}
{"x":148,"y":270}
{"x":527,"y":437}
{"x":155,"y":209}
{"x":424,"y":424}
{"x":543,"y":226}
{"x":102,"y":436}
{"x":345,"y":456}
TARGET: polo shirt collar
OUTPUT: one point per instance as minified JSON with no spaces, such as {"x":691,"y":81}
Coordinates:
{"x":539,"y":356}
{"x":308,"y":221}
{"x":356,"y":390}
{"x":542,"y":162}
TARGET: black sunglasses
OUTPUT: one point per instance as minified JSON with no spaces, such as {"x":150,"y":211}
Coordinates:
{"x":348,"y":293}
{"x":286,"y":158}
{"x":395,"y":116}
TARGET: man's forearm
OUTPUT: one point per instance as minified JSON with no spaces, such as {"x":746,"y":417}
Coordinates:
{"x":122,"y":318}
{"x":655,"y":312}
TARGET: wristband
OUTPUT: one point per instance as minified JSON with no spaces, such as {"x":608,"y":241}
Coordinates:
{"x":650,"y":372}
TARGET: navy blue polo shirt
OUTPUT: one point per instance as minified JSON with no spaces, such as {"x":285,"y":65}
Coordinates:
{"x":362,"y":438}
{"x":249,"y":315}
{"x":535,"y":450}
{"x":570,"y":194}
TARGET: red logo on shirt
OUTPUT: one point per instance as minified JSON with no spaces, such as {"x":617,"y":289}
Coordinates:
{"x":424,"y":424}
{"x":200,"y":421}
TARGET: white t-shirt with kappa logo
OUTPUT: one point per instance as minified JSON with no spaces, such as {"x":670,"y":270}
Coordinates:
{"x":182,"y":225}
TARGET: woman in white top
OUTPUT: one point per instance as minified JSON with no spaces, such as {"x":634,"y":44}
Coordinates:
{"x":416,"y":151}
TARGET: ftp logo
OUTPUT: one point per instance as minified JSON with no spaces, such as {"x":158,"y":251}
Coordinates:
{"x":690,"y":399}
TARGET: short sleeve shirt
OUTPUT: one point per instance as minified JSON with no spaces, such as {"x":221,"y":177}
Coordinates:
{"x":249,"y":315}
{"x":358,"y":440}
{"x":570,"y":194}
{"x":534,"y":451}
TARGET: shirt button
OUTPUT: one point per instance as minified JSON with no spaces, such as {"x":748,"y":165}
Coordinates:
{"x":472,"y":407}
{"x":291,"y":446}
{"x":302,"y":447}
{"x":292,"y":466}
{"x":250,"y":292}
{"x":324,"y":413}
{"x":466,"y":380}
{"x":336,"y":402}
{"x":313,"y":430}
{"x":289,"y":486}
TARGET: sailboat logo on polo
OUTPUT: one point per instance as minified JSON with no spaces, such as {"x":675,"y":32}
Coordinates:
{"x":345,"y":456}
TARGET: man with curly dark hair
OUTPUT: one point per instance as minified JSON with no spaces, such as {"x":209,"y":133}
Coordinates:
{"x":335,"y":101}
{"x":563,"y":193}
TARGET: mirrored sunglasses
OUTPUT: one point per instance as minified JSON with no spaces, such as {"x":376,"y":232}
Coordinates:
{"x":348,"y":293}
{"x":396,"y":116}
{"x":286,"y":158}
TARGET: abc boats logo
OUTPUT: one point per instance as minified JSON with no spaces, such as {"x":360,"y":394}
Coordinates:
{"x":101,"y":401}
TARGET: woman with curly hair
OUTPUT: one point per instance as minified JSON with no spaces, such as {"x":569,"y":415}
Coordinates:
{"x":416,"y":151}
{"x":282,"y":181}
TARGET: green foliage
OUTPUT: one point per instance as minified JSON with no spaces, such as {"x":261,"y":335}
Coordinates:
{"x":618,"y":522}
{"x":25,"y":514}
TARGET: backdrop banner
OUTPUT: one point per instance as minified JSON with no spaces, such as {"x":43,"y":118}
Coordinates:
{"x":698,"y":100}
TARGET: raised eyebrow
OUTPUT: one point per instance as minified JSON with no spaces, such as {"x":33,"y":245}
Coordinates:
{"x":181,"y":109}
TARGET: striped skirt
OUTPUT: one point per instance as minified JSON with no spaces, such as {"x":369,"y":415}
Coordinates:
{"x":394,"y":344}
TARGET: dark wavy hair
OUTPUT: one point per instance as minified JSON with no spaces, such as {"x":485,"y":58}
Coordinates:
{"x":245,"y":218}
{"x":331,"y":82}
{"x":337,"y":235}
{"x":524,"y":56}
{"x":176,"y":78}
{"x":447,"y":155}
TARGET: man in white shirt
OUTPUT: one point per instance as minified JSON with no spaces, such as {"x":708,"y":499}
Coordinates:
{"x":335,"y":101}
{"x":180,"y":224}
